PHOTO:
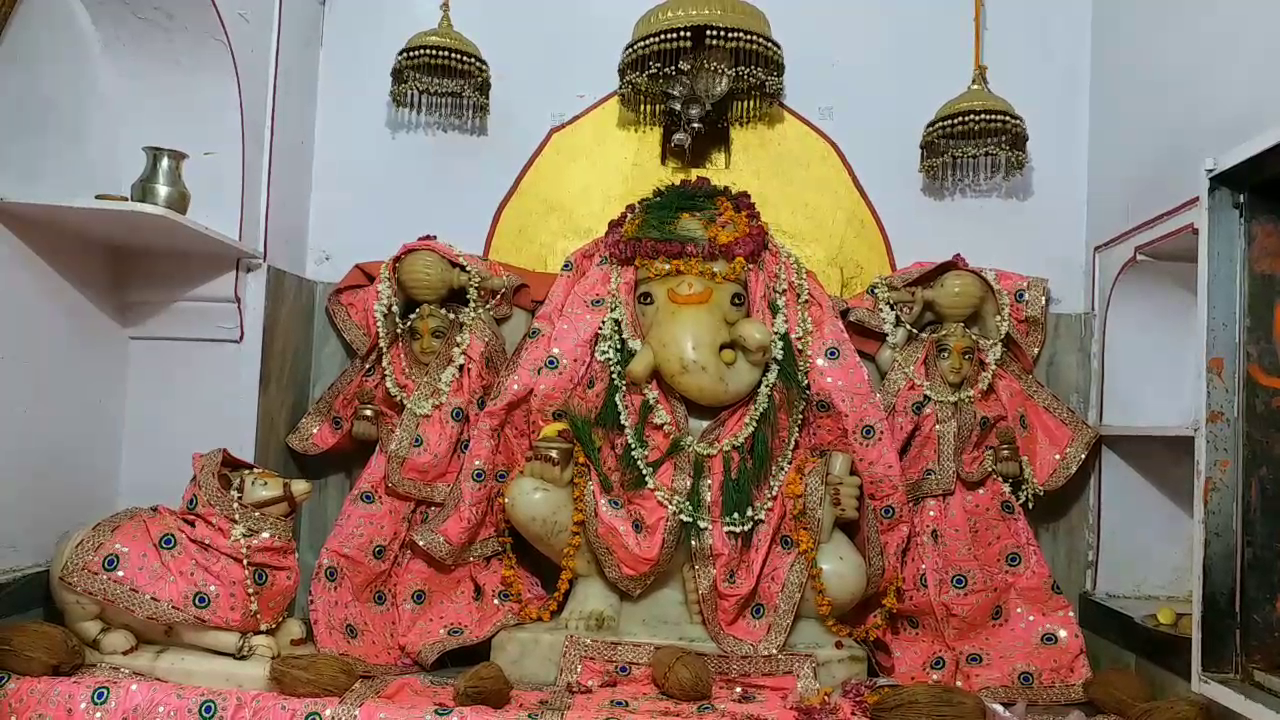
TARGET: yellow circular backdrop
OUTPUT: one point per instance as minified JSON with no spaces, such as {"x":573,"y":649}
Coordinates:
{"x":589,"y":169}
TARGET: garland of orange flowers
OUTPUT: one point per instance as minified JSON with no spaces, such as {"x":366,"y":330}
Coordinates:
{"x":794,"y":490}
{"x":511,"y":575}
{"x":662,"y":267}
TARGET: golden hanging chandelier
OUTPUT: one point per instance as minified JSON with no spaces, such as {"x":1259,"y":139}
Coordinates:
{"x":977,"y":136}
{"x":694,"y":62}
{"x":440,"y":74}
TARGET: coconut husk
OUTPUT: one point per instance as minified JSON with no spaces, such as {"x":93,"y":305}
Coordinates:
{"x":1177,"y":709}
{"x":927,"y":702}
{"x":1118,"y":691}
{"x":312,"y":676}
{"x":485,"y":684}
{"x":38,"y":649}
{"x":681,"y":674}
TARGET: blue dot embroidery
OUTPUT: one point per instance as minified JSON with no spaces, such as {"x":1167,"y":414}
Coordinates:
{"x":192,"y":502}
{"x":367,"y":497}
{"x":757,"y":611}
{"x":168,"y":541}
{"x":868,"y":432}
{"x":1020,"y":295}
{"x":380,"y":598}
{"x":534,"y":332}
{"x":959,"y":582}
{"x":417,"y":441}
{"x":5,"y":678}
{"x":786,"y":543}
{"x":379,"y":552}
{"x":351,"y":631}
{"x":1049,"y":639}
{"x":637,"y":527}
{"x":419,"y":597}
{"x":336,"y":423}
{"x":913,"y":623}
{"x":260,"y":577}
{"x":1007,"y":507}
{"x":924,"y":581}
{"x":504,"y":596}
{"x":477,"y":475}
{"x":501,"y":476}
{"x":938,"y":663}
{"x":457,"y":414}
{"x":833,"y":353}
{"x":481,"y":403}
{"x":619,"y":703}
{"x":331,"y":573}
{"x":614,"y":503}
{"x":997,"y":613}
{"x":313,"y":716}
{"x":208,"y":710}
{"x":597,"y":302}
{"x":623,"y":670}
{"x":552,"y":362}
{"x":1026,"y":679}
{"x":887,"y":512}
{"x":456,"y":632}
{"x":567,"y":266}
{"x":1057,"y":589}
{"x":443,"y":712}
{"x":822,"y":406}
{"x":100,"y":695}
{"x":1013,"y":559}
{"x":201,"y":601}
{"x":464,"y":446}
{"x":973,"y":659}
{"x":705,"y":708}
{"x":111,"y":563}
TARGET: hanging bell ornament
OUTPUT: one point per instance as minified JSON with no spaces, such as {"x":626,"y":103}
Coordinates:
{"x":441,"y":75}
{"x":976,"y":137}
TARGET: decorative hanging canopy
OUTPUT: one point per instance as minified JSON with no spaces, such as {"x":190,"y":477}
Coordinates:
{"x":700,"y":61}
{"x":977,"y":136}
{"x":440,"y":74}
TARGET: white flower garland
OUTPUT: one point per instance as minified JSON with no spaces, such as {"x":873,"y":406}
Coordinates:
{"x":1026,"y":494}
{"x":387,"y":312}
{"x":240,"y":533}
{"x":616,"y":330}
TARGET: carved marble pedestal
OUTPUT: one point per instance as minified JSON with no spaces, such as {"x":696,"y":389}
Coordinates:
{"x":531,"y":653}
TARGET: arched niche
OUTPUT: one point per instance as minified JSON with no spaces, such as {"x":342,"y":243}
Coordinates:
{"x":87,"y":83}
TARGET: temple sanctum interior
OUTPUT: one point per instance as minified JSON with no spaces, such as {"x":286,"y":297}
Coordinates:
{"x":589,"y":360}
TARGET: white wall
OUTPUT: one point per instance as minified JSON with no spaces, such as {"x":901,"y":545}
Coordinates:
{"x":1173,"y":82}
{"x":883,"y":67}
{"x":93,"y":420}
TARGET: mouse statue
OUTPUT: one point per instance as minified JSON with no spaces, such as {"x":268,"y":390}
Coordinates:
{"x":710,"y":439}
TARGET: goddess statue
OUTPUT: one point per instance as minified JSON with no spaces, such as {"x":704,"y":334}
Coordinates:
{"x":423,"y":326}
{"x":981,"y":439}
{"x":705,"y":395}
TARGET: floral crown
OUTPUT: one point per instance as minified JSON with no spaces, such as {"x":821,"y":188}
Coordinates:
{"x":690,"y":220}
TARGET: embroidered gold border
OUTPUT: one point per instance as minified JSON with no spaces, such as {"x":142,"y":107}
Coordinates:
{"x":1034,"y":311}
{"x":348,"y":328}
{"x":578,"y":649}
{"x":212,"y":492}
{"x":367,"y":690}
{"x":1051,"y":695}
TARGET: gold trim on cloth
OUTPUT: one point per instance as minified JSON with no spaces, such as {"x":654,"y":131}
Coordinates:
{"x":579,"y":649}
{"x":1051,"y":695}
{"x":302,"y":438}
{"x":371,"y":689}
{"x":349,"y":329}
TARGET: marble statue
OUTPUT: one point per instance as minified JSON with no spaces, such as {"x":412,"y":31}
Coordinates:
{"x":216,"y":574}
{"x":425,"y":330}
{"x":718,"y":472}
{"x":981,"y":440}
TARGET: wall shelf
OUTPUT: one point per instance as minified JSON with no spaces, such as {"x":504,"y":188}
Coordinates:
{"x":1119,"y":621}
{"x":1145,"y":364}
{"x":124,"y":225}
{"x":158,"y":274}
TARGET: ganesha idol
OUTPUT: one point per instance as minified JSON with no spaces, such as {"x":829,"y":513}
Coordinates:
{"x":688,"y":431}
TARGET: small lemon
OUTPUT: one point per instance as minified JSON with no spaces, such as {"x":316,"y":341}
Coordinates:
{"x":1167,"y":616}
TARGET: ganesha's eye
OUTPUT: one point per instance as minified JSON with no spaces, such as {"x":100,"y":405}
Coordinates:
{"x":738,"y":300}
{"x":645,"y":298}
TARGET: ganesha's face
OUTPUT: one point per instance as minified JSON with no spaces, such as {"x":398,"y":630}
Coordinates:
{"x":699,"y":337}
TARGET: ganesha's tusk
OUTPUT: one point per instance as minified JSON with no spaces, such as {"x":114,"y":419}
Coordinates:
{"x":641,"y":368}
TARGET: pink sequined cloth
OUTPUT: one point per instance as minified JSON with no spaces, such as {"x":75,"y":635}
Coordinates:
{"x":980,"y":607}
{"x":376,"y":597}
{"x":181,"y":567}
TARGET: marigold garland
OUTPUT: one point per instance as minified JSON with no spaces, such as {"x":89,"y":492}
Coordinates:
{"x":663,"y":267}
{"x":808,"y":547}
{"x":510,"y":572}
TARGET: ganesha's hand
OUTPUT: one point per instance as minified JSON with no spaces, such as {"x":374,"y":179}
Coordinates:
{"x":550,"y":461}
{"x":846,"y":495}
